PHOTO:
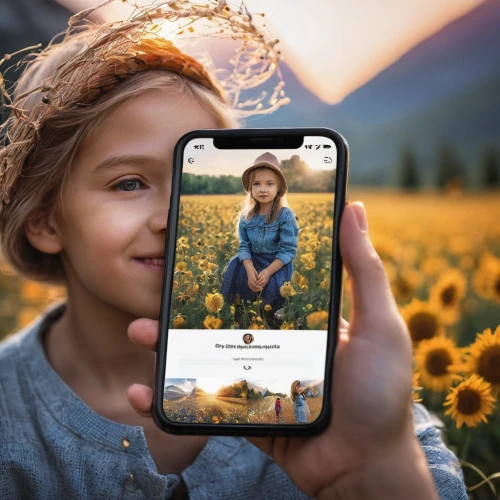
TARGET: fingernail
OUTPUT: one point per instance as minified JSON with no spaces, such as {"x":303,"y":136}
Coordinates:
{"x":359,"y":210}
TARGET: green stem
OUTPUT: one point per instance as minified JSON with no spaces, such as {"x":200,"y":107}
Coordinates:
{"x":435,"y":400}
{"x":467,"y":440}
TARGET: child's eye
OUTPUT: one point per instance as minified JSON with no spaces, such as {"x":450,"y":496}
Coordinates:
{"x":127,"y":183}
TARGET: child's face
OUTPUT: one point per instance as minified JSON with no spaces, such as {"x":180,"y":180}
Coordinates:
{"x":110,"y":220}
{"x":264,"y":186}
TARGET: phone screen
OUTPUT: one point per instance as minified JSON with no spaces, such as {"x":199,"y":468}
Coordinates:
{"x":250,"y":295}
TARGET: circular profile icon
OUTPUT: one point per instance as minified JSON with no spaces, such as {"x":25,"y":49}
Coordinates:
{"x":248,"y":338}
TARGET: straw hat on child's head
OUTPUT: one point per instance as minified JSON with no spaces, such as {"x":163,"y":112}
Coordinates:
{"x":267,"y":160}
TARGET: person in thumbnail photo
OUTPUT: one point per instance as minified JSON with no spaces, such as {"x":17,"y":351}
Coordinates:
{"x":301,"y":409}
{"x":268,"y":238}
{"x":277,"y":409}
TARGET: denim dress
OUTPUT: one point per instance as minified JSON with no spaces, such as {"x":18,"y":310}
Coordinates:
{"x":300,"y":410}
{"x":262,"y":243}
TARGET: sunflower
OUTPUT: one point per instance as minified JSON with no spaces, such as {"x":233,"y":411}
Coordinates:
{"x":433,"y":357}
{"x":309,"y":260}
{"x":470,"y":401}
{"x":448,"y":293}
{"x":182,"y":243}
{"x":214,"y":302}
{"x":186,"y":276}
{"x":211,"y":267}
{"x":179,"y":321}
{"x":256,"y":324}
{"x":287,"y":290}
{"x":317,"y":320}
{"x":203,"y":264}
{"x":422,"y":319}
{"x":486,"y":278}
{"x":212,"y":323}
{"x":325,"y":284}
{"x":483,"y":356}
{"x":299,"y":280}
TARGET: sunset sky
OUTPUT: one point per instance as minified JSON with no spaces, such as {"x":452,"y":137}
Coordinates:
{"x":336,"y":46}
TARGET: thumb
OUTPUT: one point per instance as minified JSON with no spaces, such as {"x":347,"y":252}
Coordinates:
{"x":372,"y":295}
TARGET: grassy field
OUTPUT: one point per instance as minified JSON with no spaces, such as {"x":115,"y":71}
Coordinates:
{"x":207,"y":409}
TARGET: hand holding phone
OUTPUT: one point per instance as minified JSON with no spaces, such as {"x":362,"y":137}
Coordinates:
{"x":370,"y":437}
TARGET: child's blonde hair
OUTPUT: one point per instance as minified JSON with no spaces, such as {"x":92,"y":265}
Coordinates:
{"x":293,"y":390}
{"x":63,"y":135}
{"x":250,"y":206}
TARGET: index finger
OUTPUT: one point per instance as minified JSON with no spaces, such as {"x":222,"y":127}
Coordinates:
{"x":144,"y":332}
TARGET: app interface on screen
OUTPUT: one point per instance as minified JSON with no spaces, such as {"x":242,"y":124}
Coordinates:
{"x":251,"y":288}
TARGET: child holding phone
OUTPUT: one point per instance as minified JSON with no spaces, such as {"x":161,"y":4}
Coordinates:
{"x":268,"y":235}
{"x":84,"y":190}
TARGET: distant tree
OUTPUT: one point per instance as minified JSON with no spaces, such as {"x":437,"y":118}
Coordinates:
{"x":294,"y":171}
{"x":489,"y":168}
{"x":408,"y":178}
{"x":449,"y":171}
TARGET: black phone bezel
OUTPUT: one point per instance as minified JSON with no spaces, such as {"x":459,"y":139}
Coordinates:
{"x":273,"y":138}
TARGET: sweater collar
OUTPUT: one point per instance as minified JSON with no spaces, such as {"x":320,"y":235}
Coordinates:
{"x":70,"y":410}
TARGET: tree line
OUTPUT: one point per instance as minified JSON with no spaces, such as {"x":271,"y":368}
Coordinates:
{"x":448,"y":172}
{"x":298,"y":174}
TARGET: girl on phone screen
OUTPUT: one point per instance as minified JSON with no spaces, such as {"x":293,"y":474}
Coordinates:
{"x":268,"y":238}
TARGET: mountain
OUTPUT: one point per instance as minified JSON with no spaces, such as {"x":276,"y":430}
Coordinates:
{"x":314,"y":388}
{"x":462,"y":54}
{"x":172,"y":392}
{"x":467,"y":121}
{"x":443,"y":91}
{"x":196,"y":392}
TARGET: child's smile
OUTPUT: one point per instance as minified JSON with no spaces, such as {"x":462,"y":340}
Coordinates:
{"x":111,"y":222}
{"x":156,"y":264}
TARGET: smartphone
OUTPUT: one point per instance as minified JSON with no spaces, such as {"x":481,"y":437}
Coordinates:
{"x":252,"y":282}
